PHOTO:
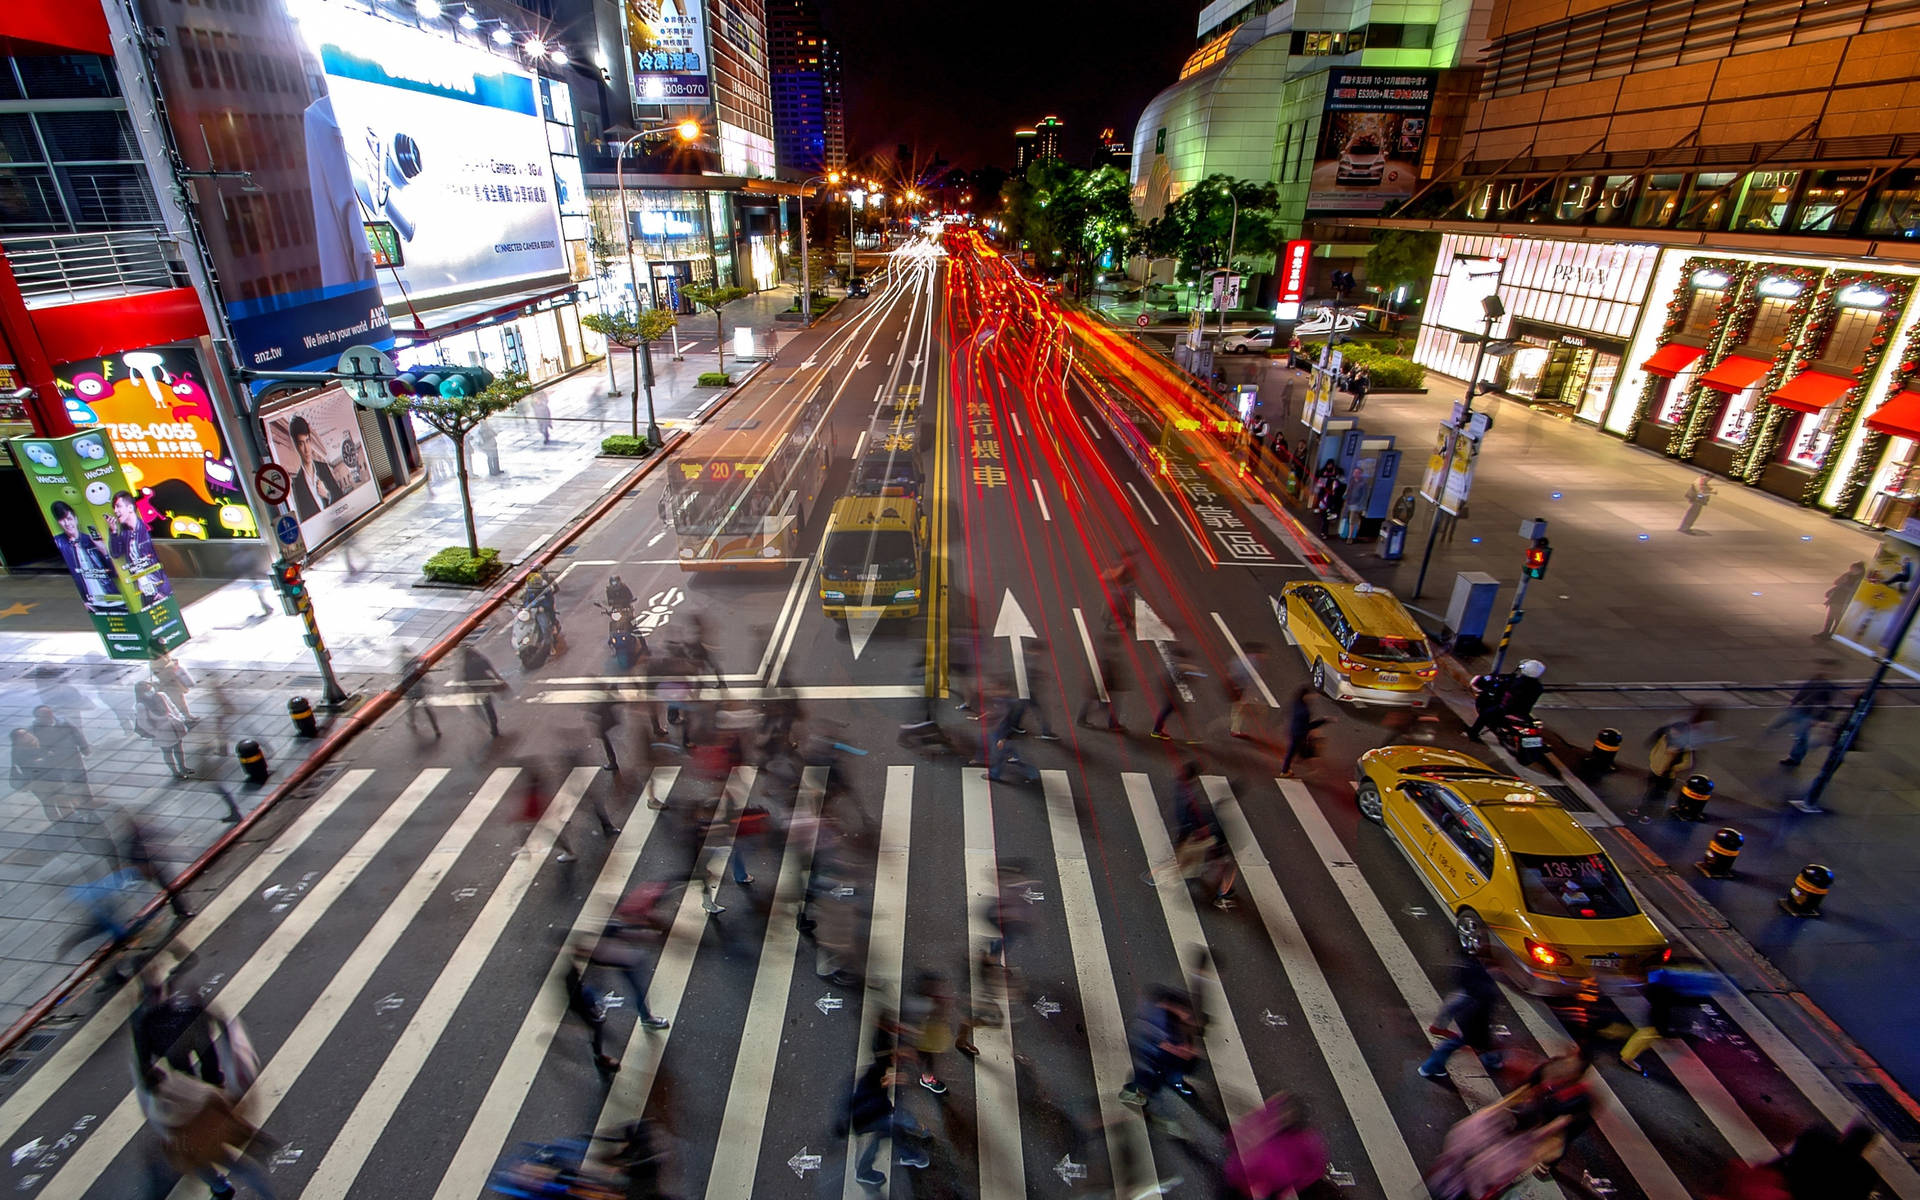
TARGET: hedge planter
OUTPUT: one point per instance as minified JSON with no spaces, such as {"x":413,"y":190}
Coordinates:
{"x":716,"y":379}
{"x":455,"y":566}
{"x":625,"y":445}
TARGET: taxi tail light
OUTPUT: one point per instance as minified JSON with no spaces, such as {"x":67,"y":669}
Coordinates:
{"x":1666,"y":954}
{"x":1427,"y":672}
{"x":1544,"y":955}
{"x":1350,"y":664}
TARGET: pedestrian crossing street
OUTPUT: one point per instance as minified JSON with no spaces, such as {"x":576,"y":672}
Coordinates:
{"x":396,"y":950}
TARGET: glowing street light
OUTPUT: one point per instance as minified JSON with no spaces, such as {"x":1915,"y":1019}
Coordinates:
{"x":557,"y":56}
{"x":468,"y":21}
{"x":689,"y":130}
{"x":503,"y":36}
{"x":428,"y":9}
{"x":535,"y":47}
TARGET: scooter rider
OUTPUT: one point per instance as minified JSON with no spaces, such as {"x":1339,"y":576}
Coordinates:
{"x":1511,"y":697}
{"x":540,"y":602}
{"x":619,"y":595}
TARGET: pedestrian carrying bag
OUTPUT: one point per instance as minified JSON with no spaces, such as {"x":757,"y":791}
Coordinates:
{"x":753,"y":821}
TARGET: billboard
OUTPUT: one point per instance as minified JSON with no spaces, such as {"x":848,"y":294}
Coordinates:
{"x":87,"y":503}
{"x":318,"y":441}
{"x":243,"y":95}
{"x":1470,"y":280}
{"x":1874,"y":611}
{"x":1372,"y":127}
{"x":667,"y":45}
{"x":1294,"y":262}
{"x":155,"y":409}
{"x":446,"y":146}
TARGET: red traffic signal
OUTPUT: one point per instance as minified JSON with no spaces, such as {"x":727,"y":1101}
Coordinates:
{"x":1537,"y":556}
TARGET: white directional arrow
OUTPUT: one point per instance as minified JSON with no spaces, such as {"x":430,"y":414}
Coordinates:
{"x":803,"y":1162}
{"x":1149,"y":627}
{"x":1045,"y":1007}
{"x":1069,"y":1170}
{"x":1013,"y":625}
{"x":809,"y":364}
{"x":860,"y":627}
{"x":914,"y":362}
{"x":1272,"y":1019}
{"x":862,"y":363}
{"x":827,"y":1004}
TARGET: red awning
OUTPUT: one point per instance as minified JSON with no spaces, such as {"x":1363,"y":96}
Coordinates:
{"x":1811,"y":391}
{"x":1671,"y":359}
{"x":1736,"y":372}
{"x":1899,"y":416}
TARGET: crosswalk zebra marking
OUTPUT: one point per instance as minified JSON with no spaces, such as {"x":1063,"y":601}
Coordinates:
{"x":1366,"y":1107}
{"x":1226,"y":1049}
{"x":744,"y":1124}
{"x":467,"y":1174}
{"x":65,"y":1062}
{"x":373,"y":1112}
{"x":1003,"y":1170}
{"x":112,"y":1135}
{"x":886,"y":936}
{"x":1129,"y":1151}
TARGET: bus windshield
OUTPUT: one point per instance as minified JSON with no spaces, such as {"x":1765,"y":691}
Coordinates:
{"x":886,"y":554}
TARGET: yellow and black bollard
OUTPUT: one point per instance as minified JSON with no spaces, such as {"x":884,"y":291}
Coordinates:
{"x":1599,"y":760}
{"x":1722,"y":852}
{"x":1808,"y":893}
{"x":301,"y":710}
{"x":253,"y":760}
{"x":1691,"y":804}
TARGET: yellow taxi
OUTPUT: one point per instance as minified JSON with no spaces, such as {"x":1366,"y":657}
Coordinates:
{"x":1358,"y":642}
{"x":1525,"y":883}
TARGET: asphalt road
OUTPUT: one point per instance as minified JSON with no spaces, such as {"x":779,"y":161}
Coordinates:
{"x":394,"y":937}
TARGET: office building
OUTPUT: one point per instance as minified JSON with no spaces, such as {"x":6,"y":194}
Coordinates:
{"x":1047,"y":137}
{"x":1111,"y":151}
{"x":1026,"y":144}
{"x":809,"y":112}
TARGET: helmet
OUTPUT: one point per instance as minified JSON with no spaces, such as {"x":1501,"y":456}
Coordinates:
{"x":1533,"y":668}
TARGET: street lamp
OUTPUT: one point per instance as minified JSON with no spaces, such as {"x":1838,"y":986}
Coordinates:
{"x":1233,"y":233}
{"x":688,"y":131}
{"x":806,"y":277}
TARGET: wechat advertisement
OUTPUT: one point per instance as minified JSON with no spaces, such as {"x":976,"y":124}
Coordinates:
{"x":85,"y":500}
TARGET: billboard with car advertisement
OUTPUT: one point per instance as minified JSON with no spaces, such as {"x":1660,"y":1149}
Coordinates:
{"x":667,"y":49}
{"x":1373,"y":125}
{"x":155,"y":408}
{"x":317,"y":440}
{"x":86,"y":501}
{"x":447,"y":149}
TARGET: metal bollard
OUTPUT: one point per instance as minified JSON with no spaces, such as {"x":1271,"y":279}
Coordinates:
{"x":1722,"y":852}
{"x":253,"y":760}
{"x":1600,"y":759}
{"x":1691,"y":804}
{"x":301,"y":710}
{"x":1808,"y":893}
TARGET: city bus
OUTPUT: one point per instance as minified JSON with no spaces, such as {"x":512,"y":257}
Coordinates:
{"x":740,"y":491}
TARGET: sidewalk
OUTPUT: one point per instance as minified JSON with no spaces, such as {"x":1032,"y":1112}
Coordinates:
{"x":1630,"y":601}
{"x":247,"y":658}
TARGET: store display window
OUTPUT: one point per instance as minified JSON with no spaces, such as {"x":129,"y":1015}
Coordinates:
{"x":1736,"y":419}
{"x":1708,"y":201}
{"x":1831,"y":201}
{"x":1659,"y":201}
{"x":1765,"y":199}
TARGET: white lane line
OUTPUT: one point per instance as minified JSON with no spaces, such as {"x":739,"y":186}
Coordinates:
{"x":1226,"y":1049}
{"x":656,"y":537}
{"x":859,"y":444}
{"x":1093,"y":660}
{"x":1040,"y":498}
{"x":296,"y":1054}
{"x":466,"y":1175}
{"x":1091,"y":427}
{"x":111,"y":1136}
{"x":1017,"y":429}
{"x":1142,"y":502}
{"x":112,"y":1016}
{"x":1129,"y":1152}
{"x":890,"y":355}
{"x":1366,"y":1107}
{"x":640,"y":1062}
{"x":1395,"y":955}
{"x":744,"y":1125}
{"x":886,"y":940}
{"x":1245,"y":662}
{"x":373,"y":1113}
{"x":996,"y":1096}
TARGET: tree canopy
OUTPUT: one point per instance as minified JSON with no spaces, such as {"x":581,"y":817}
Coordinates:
{"x":1069,"y":217}
{"x":1197,"y":227}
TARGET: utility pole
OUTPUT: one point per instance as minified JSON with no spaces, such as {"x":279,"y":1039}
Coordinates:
{"x":1493,"y":310}
{"x":1862,"y":705}
{"x":1538,"y":554}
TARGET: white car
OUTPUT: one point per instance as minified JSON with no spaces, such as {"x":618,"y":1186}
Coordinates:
{"x":1253,"y":341}
{"x":1362,"y":164}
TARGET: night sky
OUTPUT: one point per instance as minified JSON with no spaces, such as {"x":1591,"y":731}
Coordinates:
{"x":960,"y":78}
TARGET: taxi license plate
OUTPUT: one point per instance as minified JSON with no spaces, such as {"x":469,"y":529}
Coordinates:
{"x":1604,"y":960}
{"x":1532,"y":743}
{"x":1388,"y":677}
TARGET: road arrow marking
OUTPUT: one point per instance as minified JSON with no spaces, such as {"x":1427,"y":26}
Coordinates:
{"x":862,"y":363}
{"x":914,"y":362}
{"x":808,"y":365}
{"x":1045,"y":1007}
{"x":827,"y":1004}
{"x":1147,"y":623}
{"x":1069,"y":1170}
{"x":1339,"y":1178}
{"x":860,"y":627}
{"x":1272,"y":1019}
{"x":803,"y":1162}
{"x":1032,"y":896}
{"x":1013,"y":625}
{"x":1414,"y":910}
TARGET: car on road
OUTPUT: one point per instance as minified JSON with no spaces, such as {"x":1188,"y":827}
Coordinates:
{"x":1362,"y":163}
{"x":1253,"y":341}
{"x":856,"y":289}
{"x":1525,"y":884}
{"x":1359,"y":643}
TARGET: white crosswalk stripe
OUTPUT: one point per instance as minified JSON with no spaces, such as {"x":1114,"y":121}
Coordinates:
{"x":755,"y":1091}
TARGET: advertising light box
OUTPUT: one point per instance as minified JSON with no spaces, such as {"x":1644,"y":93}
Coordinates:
{"x":667,"y":40}
{"x":448,"y":156}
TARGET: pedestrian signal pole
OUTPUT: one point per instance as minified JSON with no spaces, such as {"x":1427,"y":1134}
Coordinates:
{"x":1539,"y":552}
{"x":1492,"y":310}
{"x":1857,"y":715}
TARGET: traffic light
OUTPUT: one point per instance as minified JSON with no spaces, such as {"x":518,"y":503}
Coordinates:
{"x":1537,"y":556}
{"x":292,"y":587}
{"x":450,"y":382}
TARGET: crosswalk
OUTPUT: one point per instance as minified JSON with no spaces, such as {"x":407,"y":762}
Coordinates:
{"x":431,"y":882}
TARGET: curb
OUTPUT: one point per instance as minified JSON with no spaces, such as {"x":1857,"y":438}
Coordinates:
{"x":364,"y":715}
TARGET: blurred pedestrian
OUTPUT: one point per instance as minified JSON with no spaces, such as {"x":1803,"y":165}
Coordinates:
{"x":488,"y":445}
{"x":1333,"y":505}
{"x":542,"y":417}
{"x":1161,"y":1044}
{"x":590,"y":1006}
{"x":1470,"y":1007}
{"x":25,"y":775}
{"x":622,"y":947}
{"x":1040,"y":669}
{"x":1274,"y":1152}
{"x":1672,"y":992}
{"x":1174,"y":691}
{"x":1243,"y":690}
{"x":63,"y":765}
{"x":1698,"y":493}
{"x":188,"y":1092}
{"x":1300,"y":726}
{"x":835,"y":920}
{"x":1672,"y":751}
{"x":869,"y":1112}
{"x":603,"y":717}
{"x":927,"y":1013}
{"x":535,"y":798}
{"x":54,"y":691}
{"x":410,"y":680}
{"x":1823,"y":1165}
{"x":480,"y":678}
{"x":157,"y":720}
{"x":1358,"y":387}
{"x":171,"y":677}
{"x":1840,"y":595}
{"x":1811,"y":706}
{"x":1200,"y":845}
{"x":137,"y":850}
{"x":1109,"y":675}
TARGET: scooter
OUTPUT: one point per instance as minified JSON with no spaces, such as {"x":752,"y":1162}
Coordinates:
{"x":1524,"y":737}
{"x":624,"y":634}
{"x":534,"y":640}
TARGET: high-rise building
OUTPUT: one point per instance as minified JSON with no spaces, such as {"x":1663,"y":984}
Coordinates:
{"x":809,"y":108}
{"x":742,"y":90}
{"x":1047,"y":135}
{"x":1026,"y":142}
{"x":1111,"y":151}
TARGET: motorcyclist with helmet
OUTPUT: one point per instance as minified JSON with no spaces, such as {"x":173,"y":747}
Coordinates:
{"x":1508,"y":697}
